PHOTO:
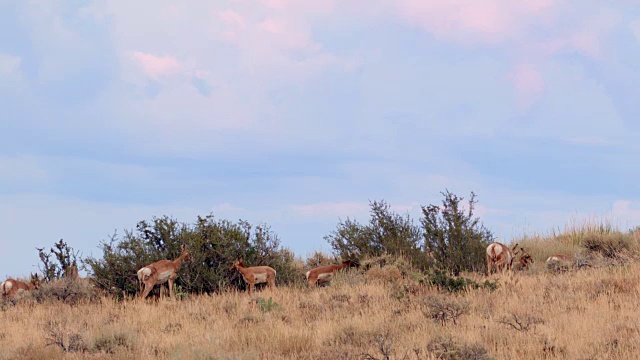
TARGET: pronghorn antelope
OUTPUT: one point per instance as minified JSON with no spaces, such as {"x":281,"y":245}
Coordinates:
{"x":559,"y":257}
{"x":71,"y":272}
{"x":500,"y":257}
{"x":525,"y":260}
{"x":324,"y":274}
{"x":12,"y":287}
{"x":255,"y":274}
{"x":160,"y":272}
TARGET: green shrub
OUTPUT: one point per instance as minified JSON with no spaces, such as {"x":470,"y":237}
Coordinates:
{"x":386,"y":233}
{"x":213,"y":246}
{"x":267,"y":305}
{"x":456,"y":239}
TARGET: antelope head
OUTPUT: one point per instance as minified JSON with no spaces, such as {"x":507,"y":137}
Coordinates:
{"x":351,"y":263}
{"x":236,"y":264}
{"x":525,"y":258}
{"x":184,"y":253}
{"x":35,"y":281}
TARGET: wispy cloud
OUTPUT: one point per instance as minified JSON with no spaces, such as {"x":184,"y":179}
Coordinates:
{"x":156,"y":66}
{"x":9,"y":64}
{"x":297,"y":113}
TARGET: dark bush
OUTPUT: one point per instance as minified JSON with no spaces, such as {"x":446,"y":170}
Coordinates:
{"x":64,"y":258}
{"x":613,"y":245}
{"x":213,"y":246}
{"x":386,"y":233}
{"x":456,"y":239}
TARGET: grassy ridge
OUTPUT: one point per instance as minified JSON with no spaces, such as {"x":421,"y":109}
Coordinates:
{"x":380,"y":313}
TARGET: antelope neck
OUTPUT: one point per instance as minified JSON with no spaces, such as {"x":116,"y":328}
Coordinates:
{"x":178,"y":262}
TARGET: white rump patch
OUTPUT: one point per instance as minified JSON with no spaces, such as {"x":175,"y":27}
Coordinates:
{"x":6,"y":286}
{"x":260,"y":278}
{"x":553,"y":258}
{"x":498,"y":250}
{"x":144,"y":273}
{"x":306,"y":275}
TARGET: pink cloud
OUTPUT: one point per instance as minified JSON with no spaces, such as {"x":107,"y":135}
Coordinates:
{"x":156,"y":66}
{"x":275,"y":4}
{"x":489,"y":21}
{"x":528,"y":83}
{"x":300,"y":7}
{"x":232,"y":18}
{"x":286,"y":35}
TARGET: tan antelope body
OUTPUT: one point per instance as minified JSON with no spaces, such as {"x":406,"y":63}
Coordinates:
{"x":559,"y":257}
{"x":324,"y":274}
{"x":11,"y":287}
{"x":71,"y":272}
{"x":255,"y":275}
{"x":159,"y":273}
{"x":500,"y":257}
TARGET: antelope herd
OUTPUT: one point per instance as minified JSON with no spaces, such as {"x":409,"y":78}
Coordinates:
{"x":499,"y":258}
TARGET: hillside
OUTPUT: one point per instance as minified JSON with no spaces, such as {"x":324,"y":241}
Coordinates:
{"x":589,"y":312}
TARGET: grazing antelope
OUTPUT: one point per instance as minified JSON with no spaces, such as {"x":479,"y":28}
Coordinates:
{"x":324,"y":274}
{"x":500,"y":257}
{"x":525,"y":260}
{"x":255,"y":274}
{"x":559,"y":257}
{"x":160,"y":272}
{"x":12,"y":287}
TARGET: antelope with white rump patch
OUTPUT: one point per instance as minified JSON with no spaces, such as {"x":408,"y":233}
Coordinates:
{"x":161,"y":272}
{"x":500,"y":257}
{"x":255,"y":274}
{"x":12,"y":287}
{"x":324,"y":274}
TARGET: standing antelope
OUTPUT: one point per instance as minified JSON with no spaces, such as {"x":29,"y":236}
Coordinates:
{"x":324,"y":274}
{"x":499,"y":256}
{"x":160,"y":272}
{"x":255,"y":274}
{"x":71,"y":272}
{"x":12,"y":287}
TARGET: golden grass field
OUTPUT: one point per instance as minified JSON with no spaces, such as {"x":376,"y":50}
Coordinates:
{"x":591,"y":313}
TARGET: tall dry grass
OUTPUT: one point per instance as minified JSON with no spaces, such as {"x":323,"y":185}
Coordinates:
{"x":587,"y":314}
{"x":590,"y":313}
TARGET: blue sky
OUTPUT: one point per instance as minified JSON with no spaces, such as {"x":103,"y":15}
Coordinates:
{"x":297,"y":113}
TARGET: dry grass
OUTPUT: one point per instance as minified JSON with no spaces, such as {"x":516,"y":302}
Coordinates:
{"x":587,"y":314}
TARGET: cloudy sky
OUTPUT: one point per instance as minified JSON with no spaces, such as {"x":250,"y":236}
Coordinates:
{"x":298,"y":112}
